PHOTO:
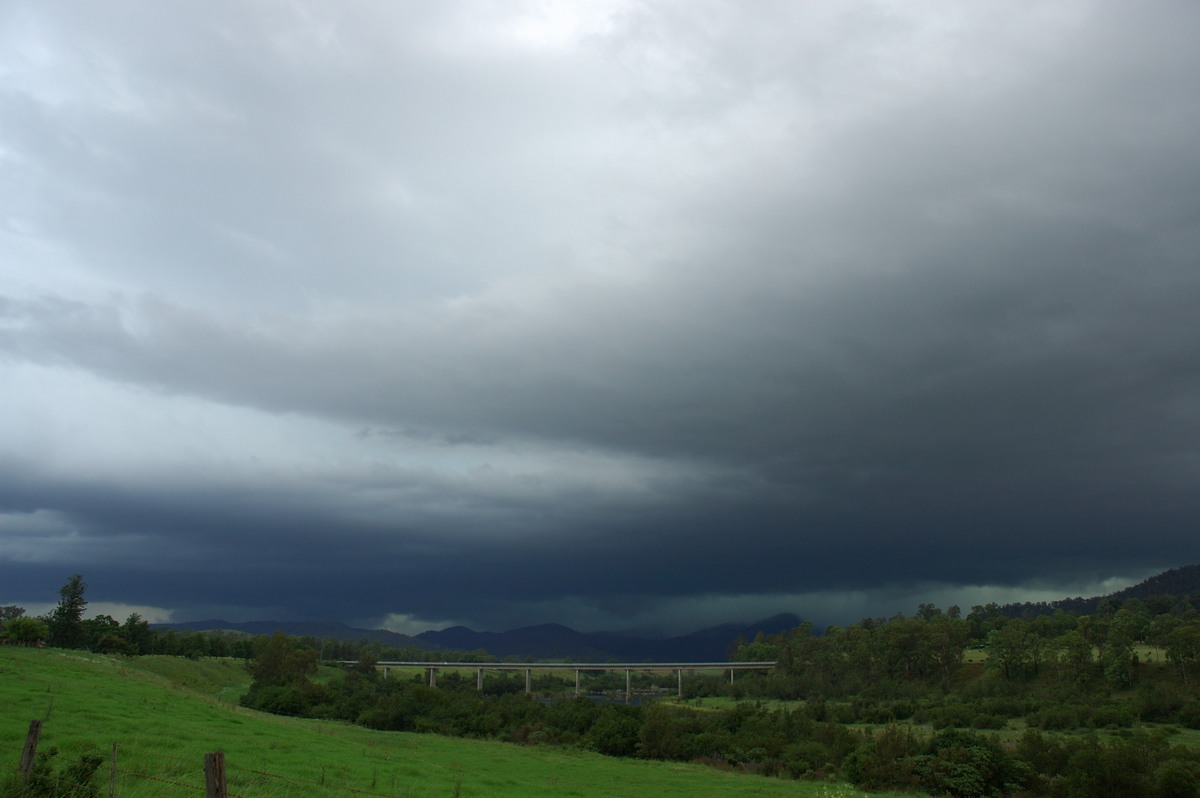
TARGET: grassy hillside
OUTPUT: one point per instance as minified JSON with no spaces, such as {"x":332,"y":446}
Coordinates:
{"x":165,"y":713}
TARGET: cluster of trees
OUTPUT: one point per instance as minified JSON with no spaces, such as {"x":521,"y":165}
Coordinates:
{"x":795,"y":742}
{"x":65,"y":626}
{"x":1051,"y":672}
{"x":889,"y":656}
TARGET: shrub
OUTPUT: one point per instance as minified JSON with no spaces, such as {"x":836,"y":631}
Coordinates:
{"x":1189,"y":714}
{"x":280,"y":700}
{"x":74,"y":780}
{"x":884,"y":760}
{"x":1176,"y":779}
{"x":1056,"y":718}
{"x":615,"y":731}
{"x":1112,"y":717}
{"x":985,"y":721}
{"x":962,"y":764}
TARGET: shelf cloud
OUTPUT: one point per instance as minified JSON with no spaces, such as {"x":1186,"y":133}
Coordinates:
{"x":616,"y":314}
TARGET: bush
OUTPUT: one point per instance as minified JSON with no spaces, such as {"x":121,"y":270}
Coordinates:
{"x":962,"y":764}
{"x":806,"y":759}
{"x":1112,"y":717}
{"x":74,"y":780}
{"x":1097,"y":770}
{"x":884,"y":760}
{"x":615,"y":732}
{"x":1057,"y":718}
{"x":1158,"y":705}
{"x":1189,"y":714}
{"x":280,"y":700}
{"x":985,"y":721}
{"x":1176,"y":779}
{"x":953,"y":715}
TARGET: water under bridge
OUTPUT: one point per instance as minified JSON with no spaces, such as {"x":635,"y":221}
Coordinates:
{"x":630,"y":668}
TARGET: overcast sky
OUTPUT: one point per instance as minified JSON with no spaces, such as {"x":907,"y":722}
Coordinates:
{"x":614,"y":314}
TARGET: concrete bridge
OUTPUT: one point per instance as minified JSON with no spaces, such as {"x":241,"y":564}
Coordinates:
{"x":432,"y":669}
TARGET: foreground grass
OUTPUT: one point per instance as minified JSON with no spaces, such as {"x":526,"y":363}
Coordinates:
{"x":165,"y":713}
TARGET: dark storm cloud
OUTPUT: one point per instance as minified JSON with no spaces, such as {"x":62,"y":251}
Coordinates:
{"x":599,"y":316}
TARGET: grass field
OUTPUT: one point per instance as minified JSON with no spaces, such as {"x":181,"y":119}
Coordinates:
{"x":1145,"y":654}
{"x":165,"y":713}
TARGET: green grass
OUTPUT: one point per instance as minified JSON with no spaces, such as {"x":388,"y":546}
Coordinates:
{"x":165,"y":713}
{"x":1145,"y":654}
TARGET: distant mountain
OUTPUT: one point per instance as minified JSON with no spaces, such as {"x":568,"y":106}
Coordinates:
{"x":554,"y":641}
{"x":334,"y":630}
{"x":783,"y":622}
{"x":711,"y":644}
{"x":545,"y":641}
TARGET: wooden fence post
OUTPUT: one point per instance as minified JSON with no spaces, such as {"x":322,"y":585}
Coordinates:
{"x":112,"y":774}
{"x":214,"y":775}
{"x":29,"y":752}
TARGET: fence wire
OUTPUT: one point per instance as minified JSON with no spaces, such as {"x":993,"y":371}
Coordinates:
{"x":185,"y":776}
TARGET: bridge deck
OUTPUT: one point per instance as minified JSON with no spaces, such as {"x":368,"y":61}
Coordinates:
{"x":579,"y":667}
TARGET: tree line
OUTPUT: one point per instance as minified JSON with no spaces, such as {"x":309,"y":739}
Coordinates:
{"x":66,"y":626}
{"x":1124,"y":659}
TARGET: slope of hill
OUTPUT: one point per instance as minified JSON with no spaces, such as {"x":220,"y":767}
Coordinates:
{"x":1180,"y":583}
{"x":1184,"y":581}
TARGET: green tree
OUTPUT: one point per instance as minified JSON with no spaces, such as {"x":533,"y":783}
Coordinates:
{"x":1075,"y":656}
{"x":9,"y":613}
{"x":101,"y":627}
{"x":196,"y":645}
{"x":136,"y":632}
{"x":1118,"y":655}
{"x":761,"y":650}
{"x":280,"y":662}
{"x":948,"y":639}
{"x":1183,"y":648}
{"x":25,"y":631}
{"x":907,"y":648}
{"x":1011,"y":650}
{"x":66,"y":619}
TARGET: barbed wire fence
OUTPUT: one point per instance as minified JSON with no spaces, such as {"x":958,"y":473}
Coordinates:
{"x":86,"y":773}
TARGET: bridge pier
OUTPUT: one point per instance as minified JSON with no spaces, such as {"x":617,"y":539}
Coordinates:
{"x":479,"y":679}
{"x":679,"y":676}
{"x":577,"y":682}
{"x":528,"y":681}
{"x":628,"y":686}
{"x":433,"y":677}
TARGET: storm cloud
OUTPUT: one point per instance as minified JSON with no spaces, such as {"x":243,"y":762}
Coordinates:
{"x":612,"y":314}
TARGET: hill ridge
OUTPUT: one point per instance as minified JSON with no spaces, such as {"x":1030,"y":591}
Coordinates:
{"x":555,"y":641}
{"x":1179,"y":583}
